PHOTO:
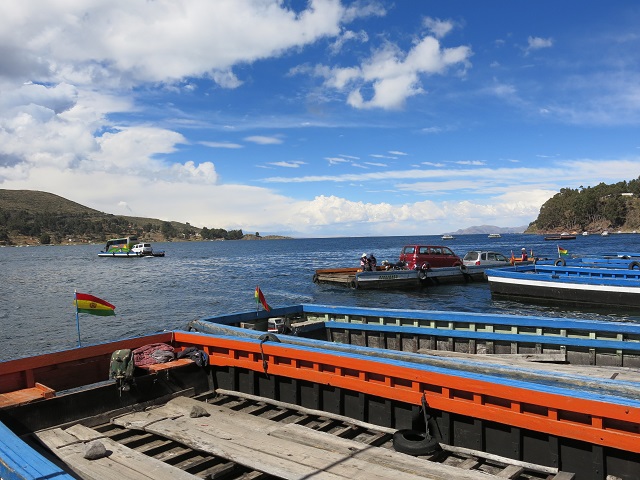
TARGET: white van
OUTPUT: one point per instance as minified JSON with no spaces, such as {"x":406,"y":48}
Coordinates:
{"x":142,"y":249}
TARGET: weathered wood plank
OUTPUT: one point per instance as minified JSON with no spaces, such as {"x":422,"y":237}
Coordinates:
{"x":121,"y":464}
{"x":390,"y":431}
{"x":508,"y":357}
{"x":512,"y":471}
{"x":287,"y":450}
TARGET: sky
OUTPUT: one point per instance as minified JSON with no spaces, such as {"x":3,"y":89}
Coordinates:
{"x":319,"y":118}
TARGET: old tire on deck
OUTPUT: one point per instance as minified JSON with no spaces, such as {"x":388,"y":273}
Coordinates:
{"x":413,"y":442}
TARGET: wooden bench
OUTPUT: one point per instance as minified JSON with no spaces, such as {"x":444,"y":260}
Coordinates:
{"x":159,"y":367}
{"x":26,"y":395}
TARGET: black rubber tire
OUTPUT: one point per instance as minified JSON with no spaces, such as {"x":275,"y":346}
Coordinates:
{"x":269,"y":337}
{"x":463,"y":269}
{"x":413,"y":442}
{"x":315,"y":278}
{"x":634,"y":266}
{"x":353,"y":284}
{"x":560,"y":261}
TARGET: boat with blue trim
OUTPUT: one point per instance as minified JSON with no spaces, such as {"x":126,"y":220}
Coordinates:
{"x":283,"y":406}
{"x":597,"y":284}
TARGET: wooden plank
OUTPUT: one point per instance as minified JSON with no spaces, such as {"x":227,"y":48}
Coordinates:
{"x":158,"y":367}
{"x":512,"y":471}
{"x":286,"y":450}
{"x":571,"y":476}
{"x":508,"y":357}
{"x":25,"y":395}
{"x":122,"y":462}
{"x":389,"y":431}
{"x":469,"y":463}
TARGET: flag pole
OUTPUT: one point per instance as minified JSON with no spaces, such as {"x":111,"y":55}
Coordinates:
{"x":75,"y":301}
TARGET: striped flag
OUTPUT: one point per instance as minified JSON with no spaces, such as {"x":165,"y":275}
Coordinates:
{"x":260,"y":299}
{"x":562,"y":252}
{"x":86,"y":303}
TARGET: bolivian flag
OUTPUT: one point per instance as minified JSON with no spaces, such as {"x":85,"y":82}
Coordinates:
{"x":260,"y":299}
{"x":562,"y":252}
{"x":86,"y":303}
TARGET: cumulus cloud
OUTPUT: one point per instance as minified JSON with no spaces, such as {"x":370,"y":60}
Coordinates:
{"x":439,"y":28}
{"x":536,"y":43}
{"x":392,"y":74}
{"x":110,"y":40}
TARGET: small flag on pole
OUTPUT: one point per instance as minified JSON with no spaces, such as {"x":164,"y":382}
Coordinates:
{"x":562,"y":252}
{"x":260,"y":299}
{"x":86,"y":303}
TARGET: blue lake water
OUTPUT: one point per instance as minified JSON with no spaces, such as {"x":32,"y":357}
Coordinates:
{"x":197,"y":279}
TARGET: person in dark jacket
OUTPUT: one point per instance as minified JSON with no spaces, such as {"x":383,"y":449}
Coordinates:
{"x":372,"y":262}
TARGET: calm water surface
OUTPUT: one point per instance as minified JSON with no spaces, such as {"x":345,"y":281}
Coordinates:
{"x":197,"y":279}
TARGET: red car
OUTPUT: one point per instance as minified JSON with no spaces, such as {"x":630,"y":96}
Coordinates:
{"x":433,"y":256}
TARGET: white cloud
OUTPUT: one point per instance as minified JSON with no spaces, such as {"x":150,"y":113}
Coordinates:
{"x":107,"y":41}
{"x":229,"y":145}
{"x":536,"y":43}
{"x":393,"y":75}
{"x":292,"y":164}
{"x":439,"y":28}
{"x":262,"y":140}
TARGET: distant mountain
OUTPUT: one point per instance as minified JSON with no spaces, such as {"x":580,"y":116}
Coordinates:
{"x":487,"y":229}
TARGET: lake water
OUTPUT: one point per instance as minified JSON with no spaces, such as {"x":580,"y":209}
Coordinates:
{"x":197,"y":279}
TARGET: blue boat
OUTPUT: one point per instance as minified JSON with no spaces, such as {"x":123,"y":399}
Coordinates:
{"x":570,"y":283}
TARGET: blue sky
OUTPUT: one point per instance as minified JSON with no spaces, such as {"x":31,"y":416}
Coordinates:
{"x":320,"y":118}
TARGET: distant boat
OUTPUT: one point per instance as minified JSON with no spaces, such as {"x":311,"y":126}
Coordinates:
{"x":447,"y":237}
{"x":495,"y":235}
{"x":605,"y":233}
{"x":584,"y":234}
{"x":562,"y":236}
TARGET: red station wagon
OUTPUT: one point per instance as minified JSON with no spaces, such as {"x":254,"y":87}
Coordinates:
{"x":433,"y":256}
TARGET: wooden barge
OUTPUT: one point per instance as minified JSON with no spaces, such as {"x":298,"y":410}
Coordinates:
{"x":393,"y":278}
{"x":324,"y":413}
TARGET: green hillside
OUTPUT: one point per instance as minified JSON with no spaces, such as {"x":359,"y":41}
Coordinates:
{"x":29,"y":217}
{"x":591,"y":209}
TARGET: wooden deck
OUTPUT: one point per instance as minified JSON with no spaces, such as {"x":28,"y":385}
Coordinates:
{"x":232,"y":435}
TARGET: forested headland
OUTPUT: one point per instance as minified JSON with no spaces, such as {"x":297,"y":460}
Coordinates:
{"x":591,"y":209}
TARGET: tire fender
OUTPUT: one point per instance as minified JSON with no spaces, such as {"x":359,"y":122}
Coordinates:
{"x":315,"y":278}
{"x":353,"y":284}
{"x":413,"y":442}
{"x":464,"y":269}
{"x":560,"y":261}
{"x":634,"y":266}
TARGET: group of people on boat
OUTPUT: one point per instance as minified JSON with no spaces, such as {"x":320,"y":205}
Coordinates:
{"x":368,"y":263}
